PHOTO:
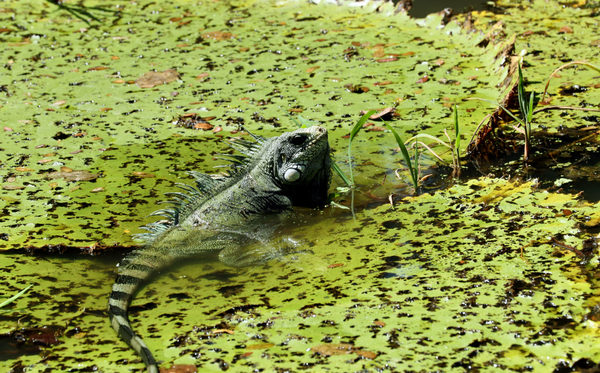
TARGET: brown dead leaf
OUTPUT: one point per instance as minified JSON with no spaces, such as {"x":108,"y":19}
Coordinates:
{"x":72,"y":175}
{"x":259,"y":346}
{"x":12,"y":187}
{"x":180,"y":368}
{"x":154,"y":78}
{"x":195,"y":121}
{"x":335,"y":265}
{"x":379,"y":323}
{"x":376,"y":129}
{"x":143,"y":175}
{"x":387,"y":59}
{"x":218,"y":35}
{"x":312,"y":69}
{"x":383,"y":114}
{"x":220,"y":331}
{"x":331,"y":349}
{"x":565,"y":30}
{"x":423,"y":79}
{"x":203,"y":126}
{"x":202,"y":76}
{"x":366,"y":354}
{"x":97,"y":68}
{"x":23,"y":169}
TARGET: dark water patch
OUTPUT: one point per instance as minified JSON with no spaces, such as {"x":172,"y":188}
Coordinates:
{"x":421,"y":9}
{"x":572,"y":90}
{"x":28,"y":341}
{"x":567,"y":162}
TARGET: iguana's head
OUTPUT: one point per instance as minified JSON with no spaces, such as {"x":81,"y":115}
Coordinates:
{"x":302,"y":165}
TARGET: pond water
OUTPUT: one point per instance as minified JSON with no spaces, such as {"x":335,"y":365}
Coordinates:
{"x":421,"y":8}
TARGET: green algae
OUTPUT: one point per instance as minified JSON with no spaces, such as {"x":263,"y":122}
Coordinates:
{"x":461,"y":278}
{"x":70,"y":97}
{"x":476,"y":277}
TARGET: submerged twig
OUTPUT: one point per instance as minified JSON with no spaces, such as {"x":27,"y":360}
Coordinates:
{"x":557,"y":107}
{"x":576,"y":251}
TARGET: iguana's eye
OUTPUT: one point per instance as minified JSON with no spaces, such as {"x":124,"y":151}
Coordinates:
{"x":298,"y":139}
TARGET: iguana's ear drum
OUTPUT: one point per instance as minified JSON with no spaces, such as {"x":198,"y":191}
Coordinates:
{"x":292,"y":174}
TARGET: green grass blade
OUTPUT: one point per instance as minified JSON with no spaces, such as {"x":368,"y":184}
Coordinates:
{"x":530,"y":108}
{"x":415,"y":170}
{"x":456,"y":131}
{"x":353,"y":133}
{"x":430,"y":151}
{"x":522,"y":98}
{"x":14,"y":297}
{"x":436,"y":139}
{"x":295,"y":121}
{"x":302,"y":122}
{"x":360,"y":123}
{"x":405,"y":155}
{"x":338,"y":171}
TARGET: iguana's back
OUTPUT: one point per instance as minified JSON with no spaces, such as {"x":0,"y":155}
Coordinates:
{"x":226,"y":214}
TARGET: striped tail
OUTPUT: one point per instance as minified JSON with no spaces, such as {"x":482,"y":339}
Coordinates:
{"x":133,"y":272}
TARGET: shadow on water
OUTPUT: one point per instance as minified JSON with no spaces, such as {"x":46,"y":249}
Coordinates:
{"x":567,"y":161}
{"x":421,"y":8}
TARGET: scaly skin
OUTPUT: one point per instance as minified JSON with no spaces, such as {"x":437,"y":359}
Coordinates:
{"x":227,"y":216}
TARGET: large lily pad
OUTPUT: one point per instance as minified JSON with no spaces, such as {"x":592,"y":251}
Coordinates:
{"x":470,"y":277}
{"x":78,"y":96}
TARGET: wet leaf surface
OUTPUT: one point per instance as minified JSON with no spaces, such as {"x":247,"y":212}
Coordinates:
{"x":489,"y":273}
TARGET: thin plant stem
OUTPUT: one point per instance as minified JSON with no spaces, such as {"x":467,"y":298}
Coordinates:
{"x":14,"y":297}
{"x":583,"y":63}
{"x":557,"y":107}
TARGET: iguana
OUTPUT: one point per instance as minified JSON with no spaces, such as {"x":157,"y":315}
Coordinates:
{"x":227,"y":215}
